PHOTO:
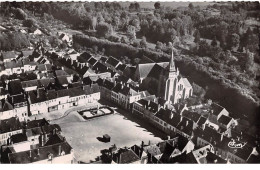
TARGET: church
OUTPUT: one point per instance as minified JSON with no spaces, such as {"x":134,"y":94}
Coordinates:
{"x":164,"y":80}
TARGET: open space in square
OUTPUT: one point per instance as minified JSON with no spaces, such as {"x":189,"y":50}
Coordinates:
{"x":82,"y":135}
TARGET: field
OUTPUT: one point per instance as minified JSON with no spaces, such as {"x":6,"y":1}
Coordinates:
{"x":82,"y":135}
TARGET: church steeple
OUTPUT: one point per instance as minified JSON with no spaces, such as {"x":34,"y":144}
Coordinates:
{"x":172,"y":64}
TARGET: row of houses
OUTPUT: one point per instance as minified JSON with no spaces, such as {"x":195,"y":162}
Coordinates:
{"x":34,"y":141}
{"x":179,"y":149}
{"x":45,"y":95}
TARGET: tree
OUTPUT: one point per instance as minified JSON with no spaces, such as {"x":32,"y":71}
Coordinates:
{"x":95,"y":49}
{"x":131,"y":33}
{"x":30,"y":22}
{"x":250,"y":64}
{"x":143,"y":43}
{"x":234,"y":41}
{"x":31,"y":76}
{"x":214,"y":42}
{"x":75,"y":78}
{"x":103,"y":29}
{"x":191,"y":6}
{"x":20,"y":14}
{"x":157,"y":5}
{"x":196,"y":36}
{"x":159,"y":46}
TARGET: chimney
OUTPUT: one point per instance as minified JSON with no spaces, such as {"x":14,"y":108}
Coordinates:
{"x":142,"y":145}
{"x":38,"y":151}
{"x":171,"y":115}
{"x":221,"y":138}
{"x":168,"y":137}
{"x":187,"y":122}
{"x":59,"y":150}
{"x":119,"y":157}
{"x":30,"y":153}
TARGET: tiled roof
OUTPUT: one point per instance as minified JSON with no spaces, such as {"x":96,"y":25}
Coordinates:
{"x":82,"y":70}
{"x":15,"y":87}
{"x":103,"y":59}
{"x":121,"y":67}
{"x":216,"y":108}
{"x":62,"y":80}
{"x":17,"y":138}
{"x":44,"y":152}
{"x":210,"y":135}
{"x":186,"y":126}
{"x":29,"y":83}
{"x":202,"y":120}
{"x":117,"y":88}
{"x":37,"y":96}
{"x":186,"y":82}
{"x":13,"y":64}
{"x":224,"y":119}
{"x":18,"y":98}
{"x":100,"y":68}
{"x":36,"y":123}
{"x":144,"y":69}
{"x":8,"y":55}
{"x":92,"y":61}
{"x":191,"y":115}
{"x":128,"y":91}
{"x":61,"y":73}
{"x":108,"y":85}
{"x":155,"y":71}
{"x":27,"y":53}
{"x":5,"y":105}
{"x":126,"y":156}
{"x":84,"y":57}
{"x":9,"y":125}
{"x":112,"y":61}
{"x":213,"y":158}
{"x":44,"y":67}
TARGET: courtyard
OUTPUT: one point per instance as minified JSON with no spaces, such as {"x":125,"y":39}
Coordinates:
{"x":83,"y":135}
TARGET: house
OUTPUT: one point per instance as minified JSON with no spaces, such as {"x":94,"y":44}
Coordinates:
{"x":112,"y":63}
{"x":115,"y":92}
{"x":44,"y":68}
{"x":106,"y":89}
{"x":192,"y":116}
{"x":52,"y":154}
{"x":3,"y":93}
{"x":9,"y":127}
{"x":19,"y":106}
{"x":8,"y":56}
{"x":226,"y":121}
{"x":205,"y":155}
{"x":6,"y":110}
{"x":127,"y":96}
{"x":164,"y":151}
{"x":14,"y":67}
{"x":125,"y":156}
{"x":37,"y":101}
{"x":92,"y":93}
{"x":28,"y":65}
{"x":30,"y":85}
{"x":121,"y":68}
{"x":216,"y":112}
{"x":63,"y":81}
{"x":35,"y":31}
{"x":91,"y":62}
{"x":64,"y":37}
{"x":15,"y":87}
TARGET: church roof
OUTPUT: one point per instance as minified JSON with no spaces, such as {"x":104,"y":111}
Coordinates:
{"x":186,"y":82}
{"x":144,"y":69}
